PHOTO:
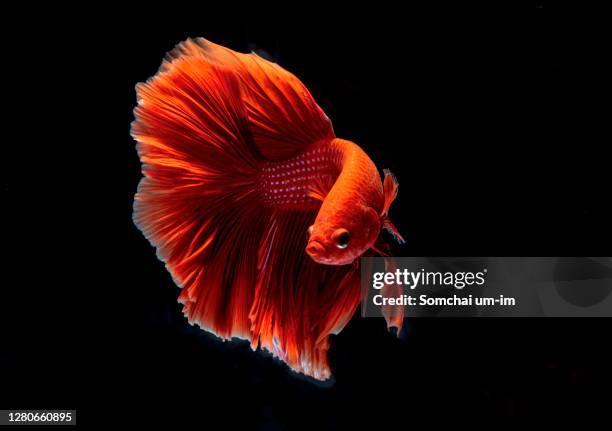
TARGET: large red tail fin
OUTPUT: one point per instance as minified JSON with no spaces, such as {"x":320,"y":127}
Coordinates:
{"x":191,"y":127}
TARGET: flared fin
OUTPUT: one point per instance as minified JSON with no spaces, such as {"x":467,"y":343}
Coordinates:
{"x":190,"y":125}
{"x":283,"y":116}
{"x":299,"y":302}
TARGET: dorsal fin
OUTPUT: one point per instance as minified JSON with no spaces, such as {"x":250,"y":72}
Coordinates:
{"x":283,"y":117}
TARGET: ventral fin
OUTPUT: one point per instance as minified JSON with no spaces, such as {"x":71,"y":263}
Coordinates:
{"x":390,"y":227}
{"x":381,"y":247}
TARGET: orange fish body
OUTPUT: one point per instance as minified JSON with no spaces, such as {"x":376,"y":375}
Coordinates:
{"x":257,"y":209}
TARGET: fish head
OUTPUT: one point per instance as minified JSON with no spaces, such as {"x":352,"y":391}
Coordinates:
{"x":341,"y":237}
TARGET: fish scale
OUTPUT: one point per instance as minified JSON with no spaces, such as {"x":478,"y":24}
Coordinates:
{"x":286,"y":184}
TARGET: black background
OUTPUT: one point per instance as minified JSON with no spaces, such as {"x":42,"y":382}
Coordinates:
{"x":488,"y":118}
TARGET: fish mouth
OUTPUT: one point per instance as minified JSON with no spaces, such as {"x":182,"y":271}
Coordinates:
{"x":318,"y":253}
{"x":315,"y":250}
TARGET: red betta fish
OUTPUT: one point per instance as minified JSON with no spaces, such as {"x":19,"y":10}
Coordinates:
{"x":259,"y":212}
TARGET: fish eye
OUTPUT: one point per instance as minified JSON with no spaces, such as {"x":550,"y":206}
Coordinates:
{"x":341,"y":237}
